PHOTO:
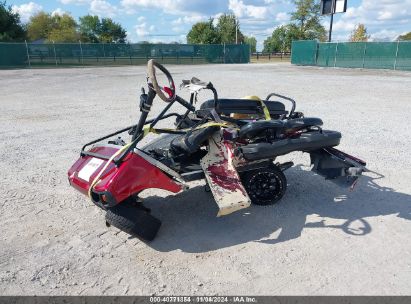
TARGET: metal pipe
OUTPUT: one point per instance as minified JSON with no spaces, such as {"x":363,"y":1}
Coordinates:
{"x":363,"y":55}
{"x":236,"y":32}
{"x":55,"y":56}
{"x":27,"y":51}
{"x":81,"y":52}
{"x":331,"y":27}
{"x":331,"y":20}
{"x":396,"y":54}
{"x":335,"y":55}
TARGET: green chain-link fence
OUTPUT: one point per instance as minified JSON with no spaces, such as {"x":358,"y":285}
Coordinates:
{"x":372,"y":55}
{"x":69,"y":54}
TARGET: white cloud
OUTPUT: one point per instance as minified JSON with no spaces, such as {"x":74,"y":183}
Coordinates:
{"x":242,"y":10}
{"x":27,"y":10}
{"x":58,"y":11}
{"x":103,"y":8}
{"x":143,"y":29}
{"x":343,"y":26}
{"x":384,"y":15}
{"x":384,"y":35}
{"x":189,"y":19}
{"x":165,"y":5}
{"x":282,"y":16}
{"x":381,"y":18}
{"x":177,"y":29}
{"x":75,"y":2}
{"x":178,"y":7}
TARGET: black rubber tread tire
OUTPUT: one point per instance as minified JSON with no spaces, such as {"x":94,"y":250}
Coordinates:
{"x":281,"y":180}
{"x":134,"y":221}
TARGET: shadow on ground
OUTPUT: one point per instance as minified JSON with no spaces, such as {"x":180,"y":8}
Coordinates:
{"x":190,"y":222}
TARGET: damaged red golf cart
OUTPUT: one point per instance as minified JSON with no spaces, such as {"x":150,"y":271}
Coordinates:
{"x":231,"y":143}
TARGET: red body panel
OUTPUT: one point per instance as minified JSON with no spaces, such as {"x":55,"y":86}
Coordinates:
{"x":132,"y":176}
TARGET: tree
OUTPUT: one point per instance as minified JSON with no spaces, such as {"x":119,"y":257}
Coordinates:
{"x":305,"y":25}
{"x":405,"y":36}
{"x":11,"y":28}
{"x":92,"y":29}
{"x":64,"y":29}
{"x":52,"y":28}
{"x":223,"y":32}
{"x":359,"y":34}
{"x":227,"y":26}
{"x":39,"y":26}
{"x":111,"y":31}
{"x":281,"y":38}
{"x":89,"y":28}
{"x":307,"y":17}
{"x":252,"y":42}
{"x":203,"y":33}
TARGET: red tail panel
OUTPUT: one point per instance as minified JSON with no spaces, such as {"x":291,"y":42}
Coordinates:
{"x":133,"y":175}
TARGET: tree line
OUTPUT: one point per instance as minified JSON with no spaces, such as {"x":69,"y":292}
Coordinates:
{"x":227,"y":30}
{"x":58,"y":28}
{"x":305,"y":24}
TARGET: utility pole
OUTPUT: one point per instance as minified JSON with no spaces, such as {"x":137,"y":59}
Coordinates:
{"x":331,"y":20}
{"x":331,"y":7}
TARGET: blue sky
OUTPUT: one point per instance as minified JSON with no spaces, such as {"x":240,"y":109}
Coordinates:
{"x":170,"y":20}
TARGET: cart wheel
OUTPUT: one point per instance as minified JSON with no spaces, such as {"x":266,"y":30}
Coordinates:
{"x":265,"y":186}
{"x":134,"y":221}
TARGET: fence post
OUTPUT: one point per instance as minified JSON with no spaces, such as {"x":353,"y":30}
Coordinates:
{"x":81,"y":52}
{"x":55,"y":56}
{"x":396,"y":54}
{"x":27,"y":51}
{"x":224,"y":52}
{"x":249,"y":53}
{"x":335,"y":55}
{"x":363,"y":55}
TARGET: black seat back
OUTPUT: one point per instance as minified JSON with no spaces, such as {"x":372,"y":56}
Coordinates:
{"x":301,"y":123}
{"x":255,"y":128}
{"x":227,"y":106}
{"x":190,"y":143}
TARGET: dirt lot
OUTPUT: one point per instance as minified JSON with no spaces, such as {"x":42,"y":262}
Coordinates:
{"x":319,"y":239}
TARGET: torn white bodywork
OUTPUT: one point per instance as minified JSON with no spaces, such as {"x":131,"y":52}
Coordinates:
{"x":222,"y":177}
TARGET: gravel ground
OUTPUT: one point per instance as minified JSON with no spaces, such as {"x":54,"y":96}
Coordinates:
{"x":320,"y":239}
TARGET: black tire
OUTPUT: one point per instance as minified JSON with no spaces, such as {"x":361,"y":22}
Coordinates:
{"x":134,"y":221}
{"x":265,"y":186}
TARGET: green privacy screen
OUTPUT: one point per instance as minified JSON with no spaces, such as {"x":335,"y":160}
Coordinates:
{"x":303,"y":52}
{"x":69,"y":54}
{"x":371,"y":55}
